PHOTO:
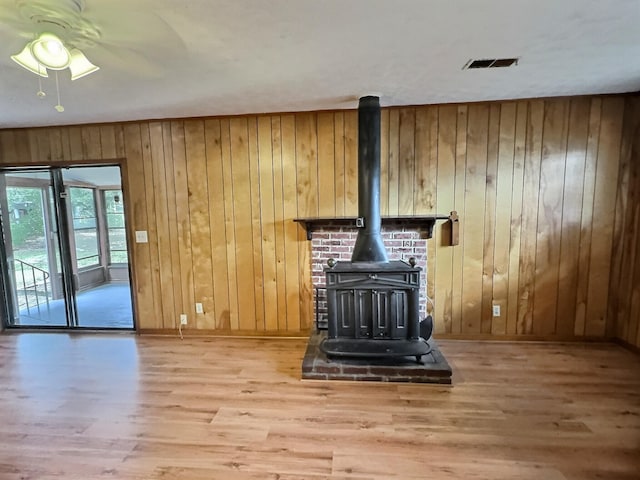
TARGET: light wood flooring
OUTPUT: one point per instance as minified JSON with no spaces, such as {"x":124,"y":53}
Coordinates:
{"x":127,"y":407}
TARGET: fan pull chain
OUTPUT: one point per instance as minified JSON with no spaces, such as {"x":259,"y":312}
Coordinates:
{"x":58,"y":107}
{"x":40,"y":92}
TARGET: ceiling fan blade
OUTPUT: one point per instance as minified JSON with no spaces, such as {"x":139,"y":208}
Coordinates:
{"x":130,"y":25}
{"x":125,"y":59}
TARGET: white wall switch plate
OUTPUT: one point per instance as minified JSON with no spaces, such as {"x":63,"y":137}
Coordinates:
{"x":141,"y":236}
{"x":199,"y":308}
{"x":496,"y":310}
{"x":183,"y":319}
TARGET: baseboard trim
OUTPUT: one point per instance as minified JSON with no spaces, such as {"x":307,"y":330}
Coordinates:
{"x":522,"y":338}
{"x":193,"y":332}
{"x":629,"y":346}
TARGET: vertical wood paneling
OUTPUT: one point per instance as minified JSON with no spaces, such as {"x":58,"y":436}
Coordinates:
{"x":326,"y":166}
{"x":446,"y":168}
{"x":41,"y":146}
{"x":351,"y":163}
{"x":8,"y":153}
{"x":339,"y":163}
{"x":200,"y":232}
{"x":572,"y":215}
{"x":522,"y":115}
{"x":604,"y":214}
{"x":424,"y":188}
{"x":107,"y":142}
{"x":22,"y":147}
{"x":161,"y":221}
{"x":306,"y":161}
{"x":281,"y":227}
{"x":267,"y":218}
{"x":531,"y":192}
{"x":152,"y":230}
{"x":384,"y":162}
{"x":459,"y":182}
{"x":137,"y":205}
{"x":586,"y":218}
{"x":91,"y":143}
{"x":547,"y":191}
{"x":172,"y":233}
{"x":228,"y":195}
{"x":180,"y":173}
{"x":426,"y":160}
{"x":548,"y":236}
{"x":628,"y":207}
{"x":76,"y":147}
{"x":55,"y":144}
{"x":394,"y":161}
{"x":474,"y":205}
{"x":407,"y":165}
{"x":290,"y":201}
{"x":242,"y":222}
{"x":503,"y":201}
{"x":256,"y":223}
{"x":490,"y":218}
{"x":307,"y":181}
{"x":217,"y":224}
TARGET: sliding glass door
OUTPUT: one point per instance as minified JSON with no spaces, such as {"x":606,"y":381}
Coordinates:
{"x":64,"y":249}
{"x":32,"y":270}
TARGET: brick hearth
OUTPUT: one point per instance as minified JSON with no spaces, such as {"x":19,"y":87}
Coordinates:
{"x":433,"y":368}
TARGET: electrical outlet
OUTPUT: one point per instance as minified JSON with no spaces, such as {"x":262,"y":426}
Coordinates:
{"x":199,"y":308}
{"x":183,"y":319}
{"x":141,"y":236}
{"x":496,"y":310}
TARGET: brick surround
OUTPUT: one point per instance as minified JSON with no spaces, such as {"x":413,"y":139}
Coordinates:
{"x":337,"y":242}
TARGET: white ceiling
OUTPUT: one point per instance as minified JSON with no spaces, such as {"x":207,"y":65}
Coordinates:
{"x":170,"y":58}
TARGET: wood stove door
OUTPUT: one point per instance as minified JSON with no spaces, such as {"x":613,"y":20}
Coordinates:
{"x":363,"y":313}
{"x":372,"y":313}
{"x":345,"y":313}
{"x":387,"y":313}
{"x":379,"y":313}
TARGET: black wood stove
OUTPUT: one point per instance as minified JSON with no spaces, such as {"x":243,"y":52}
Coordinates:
{"x":373,"y":303}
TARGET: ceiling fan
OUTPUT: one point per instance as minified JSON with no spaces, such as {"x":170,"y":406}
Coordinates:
{"x":118,"y":34}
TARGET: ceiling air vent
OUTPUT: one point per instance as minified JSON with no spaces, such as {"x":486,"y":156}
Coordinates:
{"x":491,"y":63}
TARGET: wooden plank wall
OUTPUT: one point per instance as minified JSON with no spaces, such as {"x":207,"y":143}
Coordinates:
{"x":547,"y":193}
{"x":624,"y":281}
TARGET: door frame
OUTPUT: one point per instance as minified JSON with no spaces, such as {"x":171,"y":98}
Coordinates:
{"x":130,"y":239}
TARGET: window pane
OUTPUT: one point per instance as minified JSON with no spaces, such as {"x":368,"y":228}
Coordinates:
{"x":117,"y":245}
{"x":86,"y":247}
{"x":115,"y":220}
{"x":83,"y":208}
{"x":26,"y":217}
{"x":113,"y":201}
{"x":115,"y":224}
{"x":119,"y":257}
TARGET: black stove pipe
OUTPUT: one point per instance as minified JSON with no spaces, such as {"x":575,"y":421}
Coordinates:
{"x":369,"y":246}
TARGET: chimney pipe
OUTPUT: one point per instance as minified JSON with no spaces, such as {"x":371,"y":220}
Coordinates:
{"x":369,"y":246}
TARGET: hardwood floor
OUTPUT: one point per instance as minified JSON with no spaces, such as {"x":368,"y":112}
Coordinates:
{"x":127,"y":407}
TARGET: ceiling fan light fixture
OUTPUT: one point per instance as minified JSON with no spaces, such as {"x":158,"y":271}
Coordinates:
{"x":49,"y":50}
{"x":26,"y":60}
{"x":80,"y":65}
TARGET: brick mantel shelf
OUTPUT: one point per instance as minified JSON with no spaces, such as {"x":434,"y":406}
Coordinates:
{"x":424,"y":222}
